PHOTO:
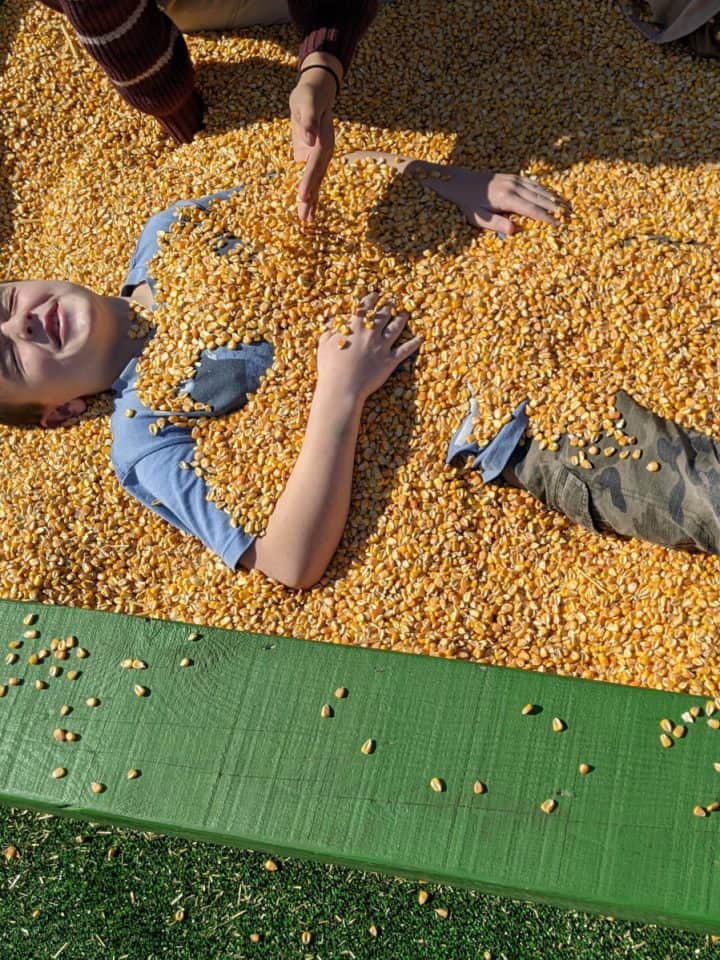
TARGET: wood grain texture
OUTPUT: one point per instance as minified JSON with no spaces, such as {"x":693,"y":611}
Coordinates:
{"x":233,"y":749}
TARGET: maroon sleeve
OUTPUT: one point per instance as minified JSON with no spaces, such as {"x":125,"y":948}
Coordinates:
{"x":332,"y":27}
{"x":145,"y":57}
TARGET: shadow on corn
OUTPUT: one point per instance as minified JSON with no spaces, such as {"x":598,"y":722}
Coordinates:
{"x":9,"y":21}
{"x":255,"y":89}
{"x":403,"y":223}
{"x":511,"y":84}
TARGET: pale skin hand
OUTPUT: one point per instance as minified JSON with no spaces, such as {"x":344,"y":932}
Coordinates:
{"x":313,"y":135}
{"x":308,"y":520}
{"x":486,"y":198}
{"x":370,"y":355}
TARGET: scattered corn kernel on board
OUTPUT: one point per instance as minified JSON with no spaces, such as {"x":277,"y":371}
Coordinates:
{"x":513,"y":782}
{"x":431,"y":561}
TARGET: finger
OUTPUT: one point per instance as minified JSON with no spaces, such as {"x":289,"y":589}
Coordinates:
{"x":306,"y":212}
{"x":384,"y":315}
{"x":395,"y":326}
{"x":367,"y":303}
{"x":487,"y":220}
{"x":306,"y":128}
{"x":549,"y":204}
{"x":315,"y":170}
{"x":301,"y":151}
{"x":405,"y":350}
{"x":528,"y":208}
{"x":534,"y":187}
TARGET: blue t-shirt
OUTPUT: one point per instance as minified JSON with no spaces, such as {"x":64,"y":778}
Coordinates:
{"x":151,"y":468}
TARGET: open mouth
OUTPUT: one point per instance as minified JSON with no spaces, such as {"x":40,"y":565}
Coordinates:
{"x":61,"y":325}
{"x":54,"y":326}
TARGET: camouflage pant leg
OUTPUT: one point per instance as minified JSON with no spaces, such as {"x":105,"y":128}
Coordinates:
{"x":676,"y":506}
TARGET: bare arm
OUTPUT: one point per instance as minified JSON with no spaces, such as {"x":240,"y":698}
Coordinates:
{"x":306,"y":525}
{"x":330,"y":31}
{"x":308,"y":519}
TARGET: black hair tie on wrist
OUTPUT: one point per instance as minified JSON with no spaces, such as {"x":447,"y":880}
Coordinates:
{"x":322,"y":66}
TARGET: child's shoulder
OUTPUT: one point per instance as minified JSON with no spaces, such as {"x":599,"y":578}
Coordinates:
{"x":137,"y":431}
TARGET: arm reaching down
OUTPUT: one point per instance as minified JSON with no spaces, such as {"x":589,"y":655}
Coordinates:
{"x":311,"y":118}
{"x":486,"y":198}
{"x":308,"y":520}
{"x":330,"y":33}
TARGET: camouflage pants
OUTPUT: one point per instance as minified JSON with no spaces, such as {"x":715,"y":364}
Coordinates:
{"x":676,"y":506}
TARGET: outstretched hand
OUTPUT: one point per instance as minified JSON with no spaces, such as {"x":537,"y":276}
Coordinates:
{"x":486,"y":198}
{"x":358,"y":363}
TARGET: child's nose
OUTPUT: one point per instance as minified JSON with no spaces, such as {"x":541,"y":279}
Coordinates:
{"x":26,"y":324}
{"x":24,"y":329}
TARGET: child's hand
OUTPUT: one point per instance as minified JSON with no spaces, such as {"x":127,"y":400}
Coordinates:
{"x":486,"y":197}
{"x":358,"y":363}
{"x":483,"y":196}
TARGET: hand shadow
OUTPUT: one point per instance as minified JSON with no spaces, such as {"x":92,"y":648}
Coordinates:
{"x":409,"y":219}
{"x":588,"y":104}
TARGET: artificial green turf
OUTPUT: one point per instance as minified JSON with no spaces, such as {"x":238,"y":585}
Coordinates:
{"x":95,"y":908}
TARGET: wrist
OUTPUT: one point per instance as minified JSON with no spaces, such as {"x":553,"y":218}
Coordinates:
{"x":338,"y":402}
{"x":324,"y":60}
{"x":319,"y":79}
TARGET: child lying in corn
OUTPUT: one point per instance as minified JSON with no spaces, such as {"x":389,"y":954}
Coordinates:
{"x":61,"y":342}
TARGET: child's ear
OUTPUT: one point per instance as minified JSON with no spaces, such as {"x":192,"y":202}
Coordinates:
{"x":54,"y":416}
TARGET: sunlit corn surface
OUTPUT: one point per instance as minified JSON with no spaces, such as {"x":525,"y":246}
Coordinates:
{"x":624,"y":295}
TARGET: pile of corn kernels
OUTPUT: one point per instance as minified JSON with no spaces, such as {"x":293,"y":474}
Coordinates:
{"x":622,"y":295}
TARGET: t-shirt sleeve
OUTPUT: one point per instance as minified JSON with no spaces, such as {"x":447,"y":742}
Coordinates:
{"x":147,"y":245}
{"x":179,"y":496}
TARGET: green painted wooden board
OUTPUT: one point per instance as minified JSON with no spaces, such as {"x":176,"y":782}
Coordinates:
{"x":233,"y":750}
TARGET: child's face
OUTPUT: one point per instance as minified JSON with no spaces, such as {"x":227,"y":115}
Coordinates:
{"x":58,"y":341}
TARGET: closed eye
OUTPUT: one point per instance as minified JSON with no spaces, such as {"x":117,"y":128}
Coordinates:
{"x":16,"y":361}
{"x":8,"y":301}
{"x":10,"y":358}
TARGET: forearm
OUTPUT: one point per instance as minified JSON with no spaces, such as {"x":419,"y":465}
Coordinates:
{"x":332,"y":27}
{"x":431,"y":175}
{"x":308,"y":520}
